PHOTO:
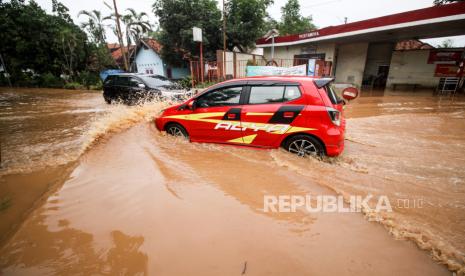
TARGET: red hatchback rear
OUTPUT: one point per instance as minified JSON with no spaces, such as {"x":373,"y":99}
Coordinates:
{"x":301,"y":114}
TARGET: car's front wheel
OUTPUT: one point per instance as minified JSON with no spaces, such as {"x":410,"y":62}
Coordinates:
{"x":176,"y":130}
{"x":304,"y":145}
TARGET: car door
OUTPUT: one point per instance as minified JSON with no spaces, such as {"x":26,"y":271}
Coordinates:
{"x":216,"y":115}
{"x":269,"y":111}
{"x":136,"y":89}
{"x":121,"y":88}
{"x":108,"y":88}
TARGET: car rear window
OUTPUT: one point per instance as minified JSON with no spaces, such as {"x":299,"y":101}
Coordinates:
{"x":273,"y":94}
{"x":157,"y":81}
{"x":333,"y":97}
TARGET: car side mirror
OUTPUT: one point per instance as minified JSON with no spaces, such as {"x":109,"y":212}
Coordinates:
{"x":350,"y":93}
{"x":141,"y":85}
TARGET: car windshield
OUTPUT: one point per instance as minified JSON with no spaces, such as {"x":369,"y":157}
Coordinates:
{"x":157,"y":81}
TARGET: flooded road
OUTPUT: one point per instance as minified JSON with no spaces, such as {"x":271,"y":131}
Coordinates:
{"x":125,"y":199}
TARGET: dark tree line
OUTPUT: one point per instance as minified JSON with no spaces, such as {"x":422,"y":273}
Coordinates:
{"x":41,"y":49}
{"x":246,"y":21}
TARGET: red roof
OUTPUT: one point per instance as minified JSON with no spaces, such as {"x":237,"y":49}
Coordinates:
{"x":398,"y":18}
{"x":153,"y":44}
{"x":117,"y":54}
{"x":412,"y":44}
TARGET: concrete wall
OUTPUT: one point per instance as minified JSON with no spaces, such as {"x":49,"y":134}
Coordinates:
{"x":148,"y":59}
{"x":288,"y":52}
{"x":329,"y":49}
{"x":378,"y":54}
{"x":350,"y":63}
{"x":240,"y":60}
{"x":412,"y":67}
{"x":284,"y":52}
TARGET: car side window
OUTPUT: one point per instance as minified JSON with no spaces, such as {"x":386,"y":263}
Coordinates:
{"x":122,"y":81}
{"x":109,"y":80}
{"x":291,"y":93}
{"x":266,"y":94}
{"x":133,"y":82}
{"x":273,"y":94}
{"x":221,"y":97}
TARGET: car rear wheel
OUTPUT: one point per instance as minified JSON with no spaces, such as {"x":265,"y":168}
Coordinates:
{"x":304,"y":145}
{"x":176,"y":130}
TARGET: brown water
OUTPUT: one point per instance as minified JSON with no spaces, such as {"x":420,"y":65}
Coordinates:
{"x":92,"y":189}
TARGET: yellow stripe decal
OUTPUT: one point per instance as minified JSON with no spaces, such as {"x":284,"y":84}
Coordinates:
{"x":293,"y":129}
{"x":207,"y":118}
{"x":244,"y":140}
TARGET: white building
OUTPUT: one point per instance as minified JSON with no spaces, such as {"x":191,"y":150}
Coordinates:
{"x":148,"y":60}
{"x":364,"y":53}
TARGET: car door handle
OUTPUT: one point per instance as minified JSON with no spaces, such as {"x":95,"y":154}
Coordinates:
{"x":288,"y":114}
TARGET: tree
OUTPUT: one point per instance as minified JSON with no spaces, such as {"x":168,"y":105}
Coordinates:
{"x":291,"y":20}
{"x":94,"y":26}
{"x":33,"y":41}
{"x":270,"y":23}
{"x":448,"y":43}
{"x":176,"y":19}
{"x":443,"y":2}
{"x":245,"y":21}
{"x":137,"y":25}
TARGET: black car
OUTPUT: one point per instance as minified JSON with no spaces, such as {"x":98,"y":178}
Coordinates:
{"x":136,"y":88}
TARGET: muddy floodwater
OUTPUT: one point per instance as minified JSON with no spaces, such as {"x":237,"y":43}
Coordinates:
{"x":87,"y":188}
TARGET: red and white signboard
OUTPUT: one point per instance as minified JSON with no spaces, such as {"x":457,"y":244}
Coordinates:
{"x":444,"y":57}
{"x":447,"y":70}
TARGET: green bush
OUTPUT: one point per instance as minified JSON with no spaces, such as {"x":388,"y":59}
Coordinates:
{"x":97,"y":86}
{"x":186,"y":82}
{"x":88,"y":78}
{"x":251,"y":62}
{"x":49,"y":80}
{"x":73,"y":85}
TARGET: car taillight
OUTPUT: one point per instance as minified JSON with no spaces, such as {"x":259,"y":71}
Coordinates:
{"x":334,"y":115}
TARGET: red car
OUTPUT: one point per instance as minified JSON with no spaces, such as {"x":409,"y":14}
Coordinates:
{"x":301,"y":114}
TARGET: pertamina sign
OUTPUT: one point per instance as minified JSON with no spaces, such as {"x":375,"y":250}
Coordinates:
{"x":309,"y":35}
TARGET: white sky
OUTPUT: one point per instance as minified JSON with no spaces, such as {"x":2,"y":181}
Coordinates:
{"x":324,"y":12}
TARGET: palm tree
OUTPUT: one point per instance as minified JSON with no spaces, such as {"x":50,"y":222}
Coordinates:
{"x":95,"y":25}
{"x":137,"y":26}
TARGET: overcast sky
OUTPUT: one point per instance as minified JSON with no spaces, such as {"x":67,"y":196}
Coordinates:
{"x":324,"y":12}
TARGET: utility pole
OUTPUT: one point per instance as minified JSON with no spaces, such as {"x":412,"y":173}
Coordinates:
{"x":120,"y":37}
{"x":224,"y":42}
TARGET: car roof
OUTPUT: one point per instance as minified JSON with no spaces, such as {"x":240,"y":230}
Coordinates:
{"x":274,"y":80}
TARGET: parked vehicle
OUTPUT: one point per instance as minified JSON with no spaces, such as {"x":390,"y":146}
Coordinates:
{"x":301,"y":114}
{"x":130,"y":88}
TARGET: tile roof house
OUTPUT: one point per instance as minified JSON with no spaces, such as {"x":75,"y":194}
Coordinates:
{"x":147,"y":59}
